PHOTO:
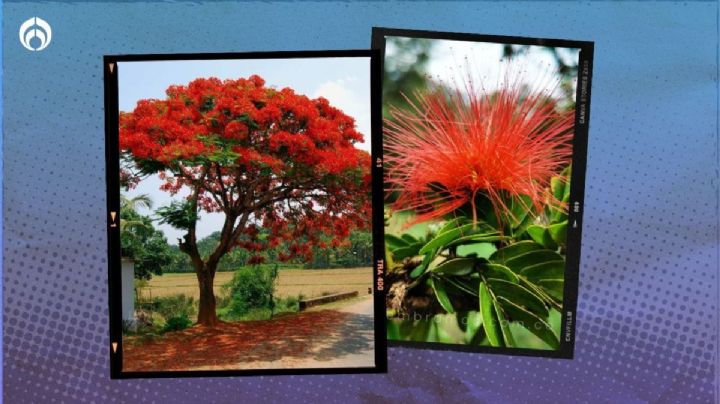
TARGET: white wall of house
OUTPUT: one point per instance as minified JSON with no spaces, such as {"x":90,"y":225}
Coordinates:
{"x":128,"y":291}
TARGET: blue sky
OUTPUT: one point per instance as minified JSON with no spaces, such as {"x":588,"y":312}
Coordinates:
{"x":345,"y":82}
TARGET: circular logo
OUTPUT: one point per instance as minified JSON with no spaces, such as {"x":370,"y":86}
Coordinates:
{"x":35,"y":34}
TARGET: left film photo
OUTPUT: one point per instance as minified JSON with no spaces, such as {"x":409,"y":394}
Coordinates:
{"x":240,"y":214}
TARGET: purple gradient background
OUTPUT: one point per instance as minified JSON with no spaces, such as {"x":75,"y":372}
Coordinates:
{"x":647,"y":320}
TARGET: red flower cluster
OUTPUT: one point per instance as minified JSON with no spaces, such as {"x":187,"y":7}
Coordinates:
{"x":288,"y":160}
{"x":456,"y":143}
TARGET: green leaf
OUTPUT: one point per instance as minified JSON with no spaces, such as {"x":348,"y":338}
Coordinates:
{"x":519,"y":208}
{"x":520,"y":295}
{"x":497,"y":271}
{"x":531,"y":322}
{"x":558,"y":232}
{"x":541,"y":235}
{"x":557,"y":185}
{"x":545,"y":270}
{"x":409,"y":238}
{"x":550,"y":300}
{"x":438,"y":287}
{"x":520,"y":262}
{"x":566,"y":192}
{"x":481,"y":250}
{"x":393,"y":330}
{"x":476,"y":238}
{"x":557,"y":215}
{"x":520,"y":229}
{"x":420,"y":269}
{"x":452,"y":224}
{"x":456,"y":267}
{"x":446,"y":237}
{"x":389,"y":258}
{"x":513,"y":250}
{"x":504,"y":326}
{"x":180,"y":215}
{"x":406,"y":252}
{"x":395,"y":242}
{"x":554,"y":287}
{"x":490,"y":323}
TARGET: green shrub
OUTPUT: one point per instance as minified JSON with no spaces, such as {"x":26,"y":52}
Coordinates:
{"x":291,"y":302}
{"x":177,"y":323}
{"x":250,"y":288}
{"x":175,"y":306}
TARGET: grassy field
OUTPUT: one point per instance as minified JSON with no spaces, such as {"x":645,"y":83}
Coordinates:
{"x":291,"y":282}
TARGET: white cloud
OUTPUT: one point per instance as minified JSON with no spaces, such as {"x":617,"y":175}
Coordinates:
{"x":353,"y":98}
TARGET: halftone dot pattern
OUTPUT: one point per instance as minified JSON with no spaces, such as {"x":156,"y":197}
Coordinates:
{"x":647,"y":314}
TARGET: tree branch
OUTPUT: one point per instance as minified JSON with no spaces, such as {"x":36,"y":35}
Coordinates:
{"x":189,"y":245}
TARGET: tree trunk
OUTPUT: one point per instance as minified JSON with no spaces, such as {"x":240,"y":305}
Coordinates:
{"x":206,"y":312}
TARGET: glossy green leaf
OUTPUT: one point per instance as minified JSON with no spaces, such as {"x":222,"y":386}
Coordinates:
{"x":530,"y":321}
{"x":504,"y":326}
{"x":541,"y":236}
{"x":420,"y":269}
{"x":490,"y":323}
{"x":476,"y":238}
{"x":409,"y":238}
{"x":407,"y":252}
{"x":444,"y":238}
{"x":545,"y":270}
{"x":566,"y":192}
{"x":481,"y":250}
{"x":557,"y":216}
{"x":453,"y":224}
{"x":389,"y":258}
{"x":456,"y":266}
{"x":522,"y":228}
{"x":513,"y":250}
{"x":438,"y":287}
{"x":558,"y":232}
{"x":554,"y":287}
{"x":519,"y":209}
{"x":520,"y":262}
{"x":497,"y":271}
{"x":394,"y":242}
{"x":557,"y":186}
{"x":549,"y":299}
{"x":520,"y":295}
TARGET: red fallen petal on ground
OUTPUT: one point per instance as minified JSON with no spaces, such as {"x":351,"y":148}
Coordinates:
{"x":230,"y":344}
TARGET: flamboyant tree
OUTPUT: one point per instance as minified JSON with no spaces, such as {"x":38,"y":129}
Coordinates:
{"x":260,"y":156}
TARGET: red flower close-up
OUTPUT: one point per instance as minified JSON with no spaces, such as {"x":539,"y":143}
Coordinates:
{"x":456,"y":142}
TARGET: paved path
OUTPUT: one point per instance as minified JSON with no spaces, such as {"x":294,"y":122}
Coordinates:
{"x":350,"y":345}
{"x":363,"y":307}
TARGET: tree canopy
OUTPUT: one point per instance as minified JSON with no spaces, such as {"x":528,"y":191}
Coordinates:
{"x":264,"y":157}
{"x":144,"y":244}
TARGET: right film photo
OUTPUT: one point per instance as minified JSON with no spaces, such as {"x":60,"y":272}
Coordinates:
{"x":485,"y":141}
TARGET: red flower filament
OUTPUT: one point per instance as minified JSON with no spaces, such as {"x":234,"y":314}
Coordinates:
{"x":454,"y":143}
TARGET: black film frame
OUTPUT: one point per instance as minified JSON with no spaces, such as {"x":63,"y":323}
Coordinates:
{"x":577,"y":182}
{"x":112,"y":158}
